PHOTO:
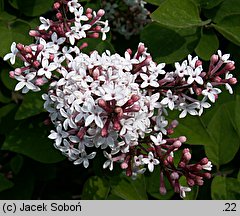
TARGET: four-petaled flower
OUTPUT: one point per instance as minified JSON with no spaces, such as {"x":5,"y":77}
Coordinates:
{"x":84,"y":159}
{"x":150,"y":161}
{"x":12,"y":55}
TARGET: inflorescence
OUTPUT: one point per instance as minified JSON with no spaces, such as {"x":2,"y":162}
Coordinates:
{"x":118,"y":104}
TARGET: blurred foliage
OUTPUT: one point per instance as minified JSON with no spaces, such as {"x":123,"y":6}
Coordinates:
{"x":30,"y":166}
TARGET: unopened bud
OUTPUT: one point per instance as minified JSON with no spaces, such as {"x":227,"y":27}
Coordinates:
{"x":232,"y":81}
{"x":214,"y":59}
{"x":100,"y":13}
{"x":18,"y":71}
{"x":12,"y":74}
{"x":56,"y":5}
{"x":182,"y":139}
{"x":230,"y":66}
{"x":59,"y":16}
{"x":124,"y":165}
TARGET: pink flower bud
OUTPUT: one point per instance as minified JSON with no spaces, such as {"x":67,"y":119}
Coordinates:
{"x":204,"y":161}
{"x":174,"y":176}
{"x":34,"y":33}
{"x":207,"y":175}
{"x":190,"y":182}
{"x":214,"y":59}
{"x":162,"y":190}
{"x":177,"y":144}
{"x":198,"y":63}
{"x":100,"y":13}
{"x":39,"y":81}
{"x":124,"y":165}
{"x":12,"y":74}
{"x":36,"y":64}
{"x":230,"y":66}
{"x":56,"y":5}
{"x":182,"y":139}
{"x":20,"y":47}
{"x":217,"y":79}
{"x":18,"y":71}
{"x":84,"y":45}
{"x":232,"y":81}
{"x":59,"y":16}
{"x":89,"y":10}
{"x":28,"y":49}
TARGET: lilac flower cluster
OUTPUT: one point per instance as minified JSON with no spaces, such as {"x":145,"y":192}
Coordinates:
{"x":117,"y":103}
{"x":127,"y":17}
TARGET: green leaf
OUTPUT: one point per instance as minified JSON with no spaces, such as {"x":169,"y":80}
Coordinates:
{"x":32,"y":105}
{"x":13,"y":32}
{"x":224,"y":188}
{"x":153,"y":185}
{"x":129,"y":189}
{"x":155,"y":2}
{"x":95,"y":188}
{"x":6,"y":80}
{"x":208,"y":4}
{"x":159,"y":40}
{"x":228,"y":7}
{"x":4,"y":110}
{"x":6,"y":16}
{"x":16,"y":163}
{"x":1,"y":5}
{"x":3,"y":98}
{"x":32,"y":7}
{"x":32,"y":140}
{"x":229,"y":27}
{"x":178,"y":14}
{"x":225,"y":143}
{"x":215,"y":130}
{"x":5,"y":183}
{"x":208,"y":44}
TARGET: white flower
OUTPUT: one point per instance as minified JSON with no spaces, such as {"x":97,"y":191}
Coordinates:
{"x":183,"y":191}
{"x":208,"y":166}
{"x":228,"y":87}
{"x":211,"y":92}
{"x":149,"y":80}
{"x":161,"y":123}
{"x":150,"y":161}
{"x":158,"y":140}
{"x":12,"y":55}
{"x":59,"y":135}
{"x":73,"y":5}
{"x":104,"y":29}
{"x":224,"y":57}
{"x":169,"y":100}
{"x":94,"y":116}
{"x":109,"y":162}
{"x":56,"y":41}
{"x":203,"y":104}
{"x":138,"y":160}
{"x":45,"y":24}
{"x":69,"y":150}
{"x":68,"y":119}
{"x":84,"y":159}
{"x":188,"y":108}
{"x":25,"y":83}
{"x":79,"y":15}
{"x":181,"y":70}
{"x":192,"y":61}
{"x":194,"y":75}
{"x":47,"y":68}
{"x":157,"y":69}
